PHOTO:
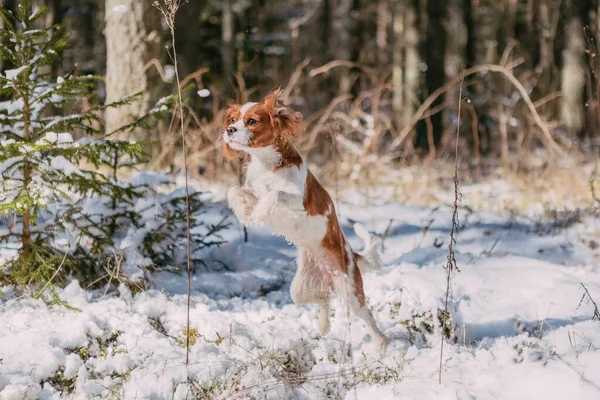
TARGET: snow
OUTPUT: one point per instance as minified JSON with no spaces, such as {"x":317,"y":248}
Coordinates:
{"x":521,"y":332}
{"x":120,"y":8}
{"x":160,"y":106}
{"x":11,"y":106}
{"x":170,"y":71}
{"x":53,"y":137}
{"x":11,"y":74}
{"x":203,"y":92}
{"x":60,"y":163}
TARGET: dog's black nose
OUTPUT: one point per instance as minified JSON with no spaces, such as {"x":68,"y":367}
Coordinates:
{"x":231,"y":130}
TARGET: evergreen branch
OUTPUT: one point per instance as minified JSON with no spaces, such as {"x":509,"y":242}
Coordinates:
{"x":7,"y":16}
{"x":161,"y":107}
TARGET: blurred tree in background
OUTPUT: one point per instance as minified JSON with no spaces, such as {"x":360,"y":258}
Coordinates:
{"x":357,"y":68}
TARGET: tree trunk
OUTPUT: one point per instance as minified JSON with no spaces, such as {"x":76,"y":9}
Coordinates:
{"x":470,"y":26}
{"x":545,"y":65}
{"x":88,"y":51}
{"x":435,"y":58}
{"x":228,"y":48}
{"x":455,"y":39}
{"x":411,"y":60}
{"x":357,"y":27}
{"x":131,"y":41}
{"x":455,"y":60}
{"x":342,"y":25}
{"x":573,"y":78}
{"x":397,"y":59}
{"x":26,"y":232}
{"x":49,"y":19}
{"x":381,"y":36}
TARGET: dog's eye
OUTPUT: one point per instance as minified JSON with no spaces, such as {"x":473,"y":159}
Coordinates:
{"x":232,"y":120}
{"x":251,"y":121}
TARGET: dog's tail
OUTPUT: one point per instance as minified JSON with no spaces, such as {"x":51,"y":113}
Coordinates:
{"x":370,"y":259}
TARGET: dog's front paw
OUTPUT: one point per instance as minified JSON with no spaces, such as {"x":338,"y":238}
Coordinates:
{"x":264,"y":208}
{"x":323,"y":323}
{"x":242,"y":201}
{"x":278,"y":207}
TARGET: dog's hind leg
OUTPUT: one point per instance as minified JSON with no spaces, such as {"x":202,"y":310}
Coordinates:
{"x":312,"y":285}
{"x":357,"y":303}
{"x":350,"y":287}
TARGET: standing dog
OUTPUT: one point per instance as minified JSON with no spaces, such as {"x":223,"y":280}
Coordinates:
{"x":282,"y":194}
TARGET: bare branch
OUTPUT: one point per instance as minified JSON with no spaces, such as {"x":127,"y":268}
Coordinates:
{"x":546,"y":136}
{"x":588,"y":296}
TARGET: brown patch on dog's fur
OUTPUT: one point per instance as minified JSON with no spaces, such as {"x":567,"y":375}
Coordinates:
{"x":358,"y":283}
{"x":318,"y":202}
{"x":289,"y":156}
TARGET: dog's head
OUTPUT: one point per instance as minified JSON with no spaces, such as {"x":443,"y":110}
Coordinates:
{"x":259,"y":125}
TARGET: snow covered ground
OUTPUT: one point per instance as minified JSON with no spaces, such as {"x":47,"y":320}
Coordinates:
{"x":521,"y":332}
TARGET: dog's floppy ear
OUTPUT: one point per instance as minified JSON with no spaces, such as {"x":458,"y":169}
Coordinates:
{"x":286,"y":123}
{"x":232,"y":113}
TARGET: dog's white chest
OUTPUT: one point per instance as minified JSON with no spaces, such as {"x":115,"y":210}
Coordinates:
{"x":261,"y":179}
{"x":280,"y":195}
{"x":264,"y":180}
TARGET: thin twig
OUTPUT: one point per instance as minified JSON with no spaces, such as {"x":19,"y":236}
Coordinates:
{"x":385,"y":233}
{"x":57,"y":269}
{"x":418,"y":115}
{"x":339,"y":63}
{"x":587,"y":295}
{"x":294,"y":78}
{"x":161,"y":71}
{"x":451,"y":264}
{"x":322,"y":121}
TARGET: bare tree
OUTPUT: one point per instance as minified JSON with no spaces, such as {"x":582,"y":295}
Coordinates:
{"x":384,"y":13}
{"x":228,"y":47}
{"x":573,"y":78}
{"x":405,"y":69}
{"x":397,"y":61}
{"x":342,"y":25}
{"x":435,"y":58}
{"x":412,"y":59}
{"x":132,"y":39}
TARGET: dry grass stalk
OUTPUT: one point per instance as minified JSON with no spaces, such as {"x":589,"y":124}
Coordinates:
{"x":451,"y":264}
{"x":588,"y":297}
{"x":169,"y":8}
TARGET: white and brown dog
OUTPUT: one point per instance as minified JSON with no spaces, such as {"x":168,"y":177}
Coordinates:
{"x":282,"y":194}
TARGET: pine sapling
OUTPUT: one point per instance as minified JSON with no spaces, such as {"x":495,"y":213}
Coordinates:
{"x":44,"y":190}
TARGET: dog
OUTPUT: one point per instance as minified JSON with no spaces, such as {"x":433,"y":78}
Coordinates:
{"x":283,"y":195}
